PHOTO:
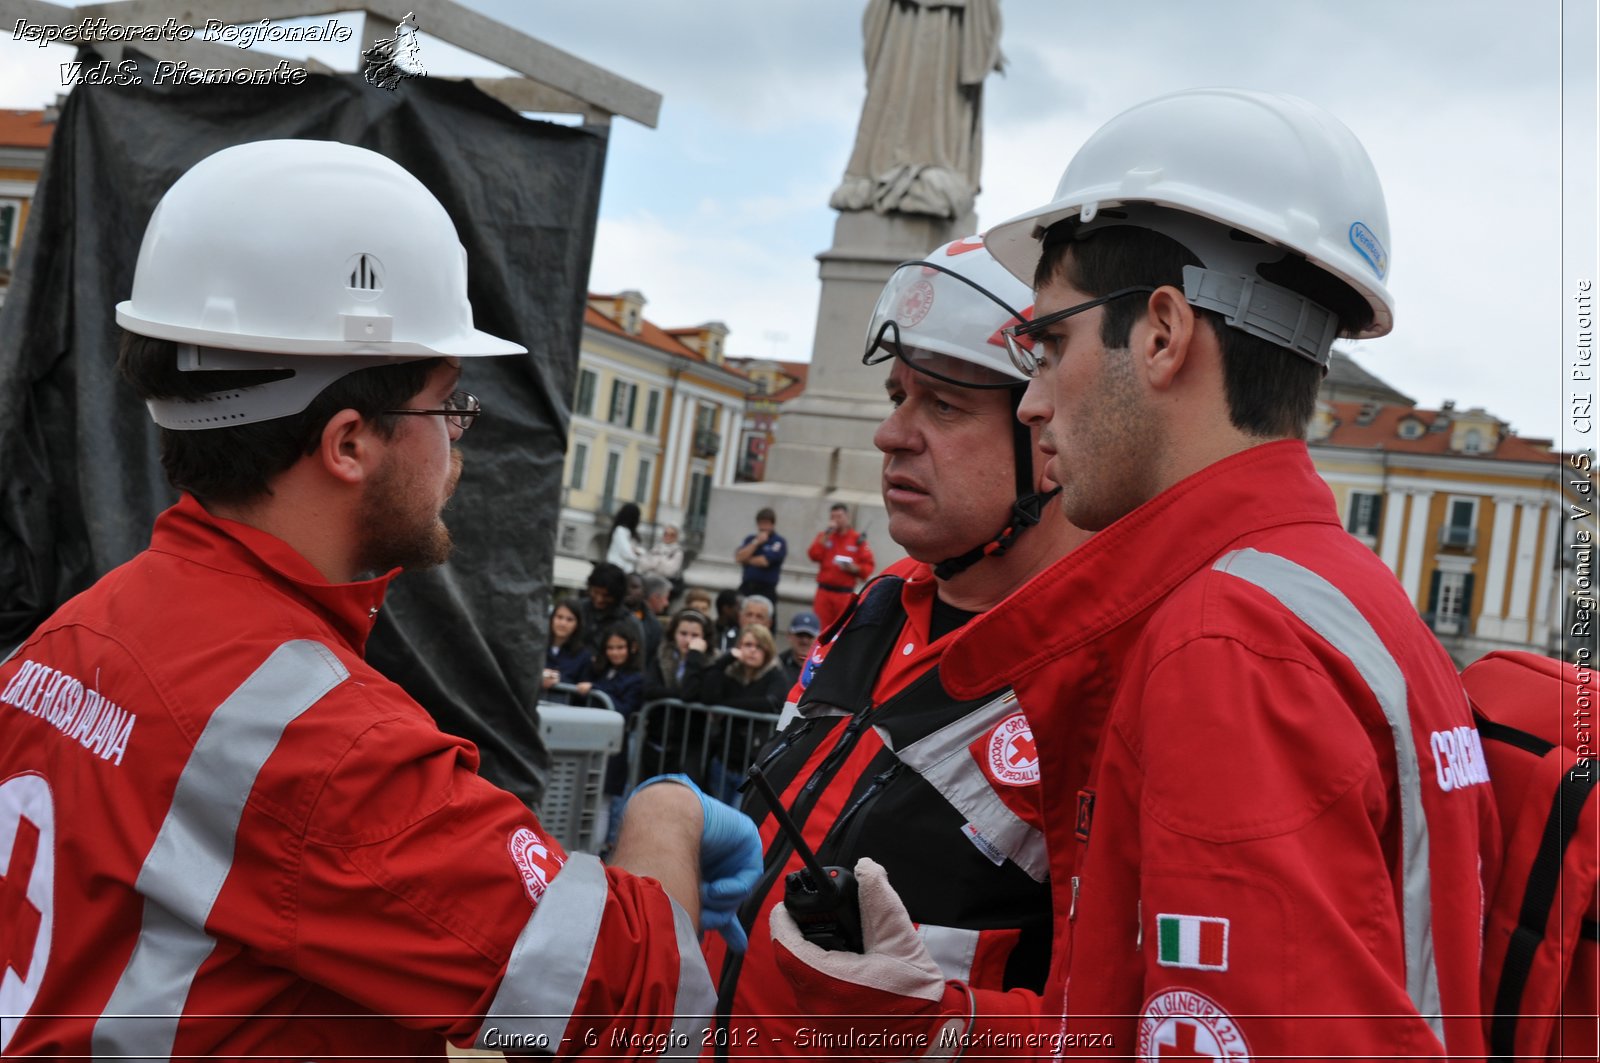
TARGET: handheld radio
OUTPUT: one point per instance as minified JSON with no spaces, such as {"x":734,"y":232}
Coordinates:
{"x":821,"y":900}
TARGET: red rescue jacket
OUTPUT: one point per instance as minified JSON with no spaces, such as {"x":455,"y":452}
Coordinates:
{"x":1276,"y":851}
{"x":229,"y":837}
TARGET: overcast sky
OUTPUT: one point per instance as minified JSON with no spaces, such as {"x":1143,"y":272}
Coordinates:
{"x":717,"y":213}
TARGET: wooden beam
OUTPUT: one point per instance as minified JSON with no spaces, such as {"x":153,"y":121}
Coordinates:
{"x":525,"y":94}
{"x":529,"y":56}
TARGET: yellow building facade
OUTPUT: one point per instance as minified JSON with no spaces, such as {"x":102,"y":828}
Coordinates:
{"x":24,"y":138}
{"x":1472,"y":519}
{"x":656,"y":417}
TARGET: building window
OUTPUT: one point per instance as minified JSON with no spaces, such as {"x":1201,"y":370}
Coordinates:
{"x":580,"y":465}
{"x":587,"y":383}
{"x":641,"y":484}
{"x":624,"y":396}
{"x":1460,"y":529}
{"x":10,"y":214}
{"x":1450,"y":599}
{"x":699,"y":502}
{"x":652,"y":412}
{"x":1366,"y":508}
{"x":608,"y":496}
{"x":1472,"y":441}
{"x":1411,"y":428}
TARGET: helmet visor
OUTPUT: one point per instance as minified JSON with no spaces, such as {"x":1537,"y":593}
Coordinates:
{"x":945,"y":326}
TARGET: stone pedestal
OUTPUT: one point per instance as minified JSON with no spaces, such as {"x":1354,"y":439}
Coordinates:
{"x":823,"y":451}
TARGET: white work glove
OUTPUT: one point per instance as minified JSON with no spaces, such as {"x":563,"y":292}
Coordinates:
{"x":892,"y":987}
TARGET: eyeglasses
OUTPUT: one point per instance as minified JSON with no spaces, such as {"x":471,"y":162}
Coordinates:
{"x":1019,"y":337}
{"x":459,"y":411}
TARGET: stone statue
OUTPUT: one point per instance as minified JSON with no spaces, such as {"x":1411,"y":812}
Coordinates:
{"x":920,"y":143}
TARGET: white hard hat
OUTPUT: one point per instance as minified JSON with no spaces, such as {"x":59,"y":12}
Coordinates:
{"x":1274,"y":166}
{"x":943,"y":316}
{"x":310,"y":255}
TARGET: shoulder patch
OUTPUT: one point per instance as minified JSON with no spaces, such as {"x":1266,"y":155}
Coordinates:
{"x":1199,"y":942}
{"x":534,"y":860}
{"x":1013,"y":759}
{"x":1182,"y":1024}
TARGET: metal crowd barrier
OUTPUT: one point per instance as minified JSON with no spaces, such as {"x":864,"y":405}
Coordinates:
{"x":712,"y":744}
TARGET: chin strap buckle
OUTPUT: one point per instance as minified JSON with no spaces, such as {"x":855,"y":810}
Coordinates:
{"x":1025,"y":513}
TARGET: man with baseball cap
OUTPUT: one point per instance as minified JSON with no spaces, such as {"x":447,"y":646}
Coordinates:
{"x":803,"y":631}
{"x":1259,"y":841}
{"x":229,"y":835}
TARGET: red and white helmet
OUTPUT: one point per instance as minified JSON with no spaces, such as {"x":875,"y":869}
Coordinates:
{"x":1276,"y":167}
{"x":943,"y":316}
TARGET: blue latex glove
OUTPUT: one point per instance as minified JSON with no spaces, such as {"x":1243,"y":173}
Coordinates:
{"x":730,"y":862}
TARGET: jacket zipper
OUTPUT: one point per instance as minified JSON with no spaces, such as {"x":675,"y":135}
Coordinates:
{"x":843,"y":828}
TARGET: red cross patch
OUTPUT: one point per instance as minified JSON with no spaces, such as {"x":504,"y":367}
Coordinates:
{"x":27,"y":891}
{"x":536,"y":862}
{"x":1182,"y":1024}
{"x":1013,"y":757}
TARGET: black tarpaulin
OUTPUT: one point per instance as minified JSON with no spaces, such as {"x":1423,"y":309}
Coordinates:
{"x":80,"y":482}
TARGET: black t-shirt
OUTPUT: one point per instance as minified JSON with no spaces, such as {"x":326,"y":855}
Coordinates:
{"x":945,"y":619}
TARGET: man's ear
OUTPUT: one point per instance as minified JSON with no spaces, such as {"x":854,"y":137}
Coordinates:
{"x":1169,"y":334}
{"x":347,"y":450}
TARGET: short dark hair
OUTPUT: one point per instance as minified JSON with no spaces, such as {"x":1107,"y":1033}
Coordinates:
{"x":1271,"y":391}
{"x":838,"y":507}
{"x":609,"y":578}
{"x":766,"y":513}
{"x":238,"y":463}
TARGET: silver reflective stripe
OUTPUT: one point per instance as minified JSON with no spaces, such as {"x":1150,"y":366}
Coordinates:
{"x":1325,"y":609}
{"x":953,"y":948}
{"x":193,"y":850}
{"x":942,"y":759}
{"x":551,"y":957}
{"x":697,"y":998}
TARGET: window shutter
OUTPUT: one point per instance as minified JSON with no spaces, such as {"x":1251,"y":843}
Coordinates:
{"x":1433,"y":594}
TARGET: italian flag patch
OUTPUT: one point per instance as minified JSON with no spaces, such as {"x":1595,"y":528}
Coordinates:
{"x":1199,"y":942}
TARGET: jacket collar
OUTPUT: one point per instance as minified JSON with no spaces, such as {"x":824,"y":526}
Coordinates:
{"x":187,"y":530}
{"x":1131,"y":565}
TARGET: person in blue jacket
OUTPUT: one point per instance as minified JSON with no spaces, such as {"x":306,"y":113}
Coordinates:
{"x":567,"y":654}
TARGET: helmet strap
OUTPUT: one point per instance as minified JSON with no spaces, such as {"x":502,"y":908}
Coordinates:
{"x":1025,"y":513}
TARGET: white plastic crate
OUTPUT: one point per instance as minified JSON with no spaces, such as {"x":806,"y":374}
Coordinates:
{"x":579,"y":741}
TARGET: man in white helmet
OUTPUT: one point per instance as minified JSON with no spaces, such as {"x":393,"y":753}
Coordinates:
{"x":1258,"y":767}
{"x":229,"y":836}
{"x":877,"y":760}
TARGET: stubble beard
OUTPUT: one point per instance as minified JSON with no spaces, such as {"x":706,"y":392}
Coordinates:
{"x":1121,"y":445}
{"x":399,"y":530}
